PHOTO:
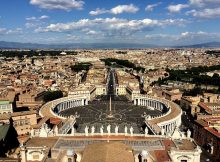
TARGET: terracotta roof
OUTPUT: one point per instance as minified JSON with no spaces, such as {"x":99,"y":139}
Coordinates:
{"x":214,"y":132}
{"x":55,"y":121}
{"x":161,"y":155}
{"x":39,"y":142}
{"x":205,"y":107}
{"x":202,"y":123}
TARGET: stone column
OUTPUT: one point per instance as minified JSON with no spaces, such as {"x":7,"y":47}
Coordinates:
{"x":138,"y":101}
{"x":23,"y":154}
{"x":82,"y":102}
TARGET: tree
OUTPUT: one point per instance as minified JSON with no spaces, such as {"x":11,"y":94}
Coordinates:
{"x":52,"y":95}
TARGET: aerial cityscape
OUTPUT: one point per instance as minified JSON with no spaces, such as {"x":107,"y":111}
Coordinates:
{"x":110,"y":81}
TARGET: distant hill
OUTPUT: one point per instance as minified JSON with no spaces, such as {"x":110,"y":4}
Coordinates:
{"x":17,"y":45}
{"x":202,"y":45}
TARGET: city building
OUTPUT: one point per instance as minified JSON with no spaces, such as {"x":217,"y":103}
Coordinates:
{"x":5,"y":107}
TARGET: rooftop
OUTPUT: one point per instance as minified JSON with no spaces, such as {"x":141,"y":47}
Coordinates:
{"x":108,"y":152}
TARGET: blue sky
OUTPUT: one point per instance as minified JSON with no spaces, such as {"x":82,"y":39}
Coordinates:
{"x":167,"y":22}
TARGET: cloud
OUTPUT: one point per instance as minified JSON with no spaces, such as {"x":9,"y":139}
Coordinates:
{"x":110,"y":27}
{"x":203,"y":3}
{"x":43,"y":17}
{"x":91,"y":32}
{"x":193,"y":34}
{"x":15,"y":31}
{"x":151,"y":7}
{"x":208,"y":13}
{"x":98,"y":12}
{"x":35,"y":21}
{"x":124,"y":8}
{"x":116,"y":10}
{"x":198,"y":37}
{"x":31,"y":18}
{"x":4,"y":31}
{"x":177,"y":8}
{"x":66,"y":5}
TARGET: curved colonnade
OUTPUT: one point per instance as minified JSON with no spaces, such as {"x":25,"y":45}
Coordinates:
{"x":162,"y":124}
{"x":165,"y":123}
{"x":53,"y":108}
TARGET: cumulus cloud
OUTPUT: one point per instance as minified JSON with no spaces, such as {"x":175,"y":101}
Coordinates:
{"x":4,"y":31}
{"x":209,"y":13}
{"x":66,"y":5}
{"x":31,"y":18}
{"x":208,"y":9}
{"x":203,"y":3}
{"x":124,"y":8}
{"x":116,"y":10}
{"x":98,"y":11}
{"x":91,"y":32}
{"x":15,"y":31}
{"x":151,"y":7}
{"x":192,"y":34}
{"x":110,"y":27}
{"x":198,"y":37}
{"x":43,"y":17}
{"x":177,"y":8}
{"x":35,"y":21}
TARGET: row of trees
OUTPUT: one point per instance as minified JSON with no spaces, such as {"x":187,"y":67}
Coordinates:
{"x":195,"y":75}
{"x":213,"y":52}
{"x":121,"y":52}
{"x":124,"y":63}
{"x":81,"y":66}
{"x":32,"y":53}
{"x":199,"y":91}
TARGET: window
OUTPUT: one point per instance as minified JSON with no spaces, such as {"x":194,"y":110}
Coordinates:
{"x":70,"y":160}
{"x":27,"y":122}
{"x":183,"y":160}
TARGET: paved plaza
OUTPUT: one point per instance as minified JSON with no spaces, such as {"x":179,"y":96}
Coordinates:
{"x":97,"y":114}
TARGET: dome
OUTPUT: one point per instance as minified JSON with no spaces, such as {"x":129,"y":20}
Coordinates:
{"x":144,"y":153}
{"x":70,"y":152}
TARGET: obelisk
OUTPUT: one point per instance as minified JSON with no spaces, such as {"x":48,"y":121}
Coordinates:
{"x":110,"y":108}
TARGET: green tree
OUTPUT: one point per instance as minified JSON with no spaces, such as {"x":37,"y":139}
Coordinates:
{"x":52,"y":95}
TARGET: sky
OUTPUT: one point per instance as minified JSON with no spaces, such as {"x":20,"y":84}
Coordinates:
{"x":167,"y":22}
